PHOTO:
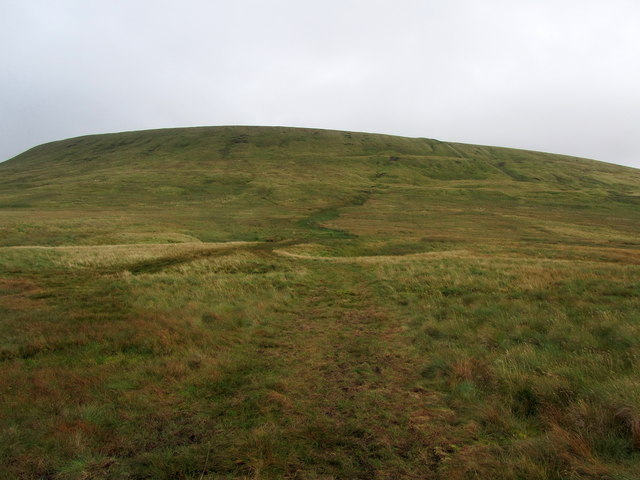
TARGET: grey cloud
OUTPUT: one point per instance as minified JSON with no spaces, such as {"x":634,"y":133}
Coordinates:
{"x":543,"y":75}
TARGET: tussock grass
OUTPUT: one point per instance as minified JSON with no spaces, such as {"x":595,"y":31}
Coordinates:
{"x":377,"y":258}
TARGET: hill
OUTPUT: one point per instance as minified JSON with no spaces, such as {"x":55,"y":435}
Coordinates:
{"x":267,"y":302}
{"x":251,"y":183}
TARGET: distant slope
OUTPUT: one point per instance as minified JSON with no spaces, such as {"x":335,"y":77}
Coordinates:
{"x":257,"y":183}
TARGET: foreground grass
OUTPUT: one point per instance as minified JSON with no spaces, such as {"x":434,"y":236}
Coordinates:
{"x":240,"y":362}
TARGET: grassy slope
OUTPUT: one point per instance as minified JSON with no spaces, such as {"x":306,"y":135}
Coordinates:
{"x":242,"y":183}
{"x":406,"y":308}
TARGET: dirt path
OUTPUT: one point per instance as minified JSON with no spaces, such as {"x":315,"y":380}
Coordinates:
{"x":351,"y":384}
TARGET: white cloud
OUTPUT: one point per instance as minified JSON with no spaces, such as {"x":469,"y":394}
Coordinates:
{"x":543,"y":75}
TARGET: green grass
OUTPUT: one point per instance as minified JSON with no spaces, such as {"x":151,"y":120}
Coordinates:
{"x":375,"y":307}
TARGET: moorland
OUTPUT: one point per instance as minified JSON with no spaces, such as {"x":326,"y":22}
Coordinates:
{"x":267,"y":302}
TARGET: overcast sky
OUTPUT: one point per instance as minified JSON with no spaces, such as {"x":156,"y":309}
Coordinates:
{"x":551,"y":75}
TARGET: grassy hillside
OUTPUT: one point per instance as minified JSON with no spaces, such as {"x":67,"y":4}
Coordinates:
{"x":254,"y":302}
{"x":247,"y":183}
